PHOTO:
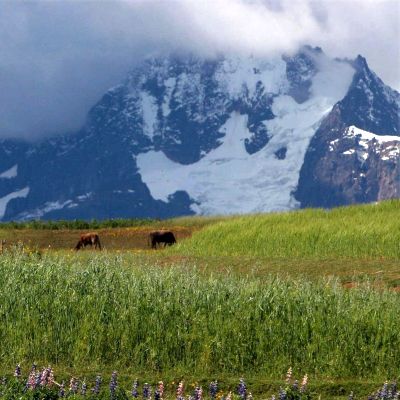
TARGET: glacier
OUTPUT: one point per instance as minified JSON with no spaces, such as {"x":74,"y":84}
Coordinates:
{"x":229,"y":180}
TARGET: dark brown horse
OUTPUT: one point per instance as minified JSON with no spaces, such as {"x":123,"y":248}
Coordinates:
{"x":166,"y":237}
{"x":89,"y":239}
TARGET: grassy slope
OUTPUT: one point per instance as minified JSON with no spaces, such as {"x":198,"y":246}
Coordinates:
{"x":369,"y":231}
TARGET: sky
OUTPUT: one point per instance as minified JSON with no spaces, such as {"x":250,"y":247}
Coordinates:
{"x":58,"y":57}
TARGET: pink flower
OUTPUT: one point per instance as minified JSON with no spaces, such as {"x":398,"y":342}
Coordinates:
{"x":179,"y":391}
{"x":304,"y":383}
{"x":289,"y":375}
{"x":161,"y":388}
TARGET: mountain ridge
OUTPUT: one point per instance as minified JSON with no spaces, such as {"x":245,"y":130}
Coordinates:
{"x":230,"y":134}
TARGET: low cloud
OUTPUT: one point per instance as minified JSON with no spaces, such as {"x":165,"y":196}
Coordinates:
{"x":58,"y":57}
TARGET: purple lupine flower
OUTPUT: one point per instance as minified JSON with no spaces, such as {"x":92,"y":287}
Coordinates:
{"x":157,"y":395}
{"x":61,"y":392}
{"x":17,"y":372}
{"x":113,"y":384}
{"x":242,"y":389}
{"x":384,"y":390}
{"x":351,"y":396}
{"x":73,"y":385}
{"x":135,"y":392}
{"x":394,"y":387}
{"x":213,"y":389}
{"x":146,"y":391}
{"x":295,"y":385}
{"x":395,"y":392}
{"x":282,"y":394}
{"x":38,"y":379}
{"x":391,"y":391}
{"x":96,"y":389}
{"x":83,"y":388}
{"x":198,"y":393}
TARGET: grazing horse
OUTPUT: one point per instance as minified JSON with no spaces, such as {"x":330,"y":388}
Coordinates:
{"x":166,"y":237}
{"x":88,"y":239}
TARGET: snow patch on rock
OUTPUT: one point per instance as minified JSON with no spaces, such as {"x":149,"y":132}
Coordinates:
{"x":149,"y":109}
{"x":4,"y":200}
{"x":388,"y":146}
{"x":237,"y":73}
{"x":10,"y":173}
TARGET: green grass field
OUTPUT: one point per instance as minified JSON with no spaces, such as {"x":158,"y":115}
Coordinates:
{"x":238,"y":296}
{"x":370,"y":231}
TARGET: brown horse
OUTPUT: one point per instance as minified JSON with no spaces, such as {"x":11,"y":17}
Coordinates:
{"x":88,"y":239}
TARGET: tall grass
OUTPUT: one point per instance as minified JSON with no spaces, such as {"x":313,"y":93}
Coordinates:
{"x":69,"y":311}
{"x":356,"y":231}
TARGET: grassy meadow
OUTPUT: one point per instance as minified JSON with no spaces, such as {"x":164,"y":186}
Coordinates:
{"x":238,"y":296}
{"x":369,"y":231}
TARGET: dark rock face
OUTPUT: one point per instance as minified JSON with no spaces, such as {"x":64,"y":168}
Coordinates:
{"x":341,"y":165}
{"x":280,"y":154}
{"x":300,"y":69}
{"x":370,"y":104}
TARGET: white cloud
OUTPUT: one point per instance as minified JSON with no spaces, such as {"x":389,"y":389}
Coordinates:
{"x":58,"y":57}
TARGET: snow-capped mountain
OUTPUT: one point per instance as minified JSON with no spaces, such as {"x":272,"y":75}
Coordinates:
{"x":186,"y":135}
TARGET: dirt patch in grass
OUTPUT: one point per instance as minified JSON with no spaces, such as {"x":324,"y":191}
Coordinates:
{"x":350,"y":285}
{"x":111,"y":239}
{"x":384,"y":272}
